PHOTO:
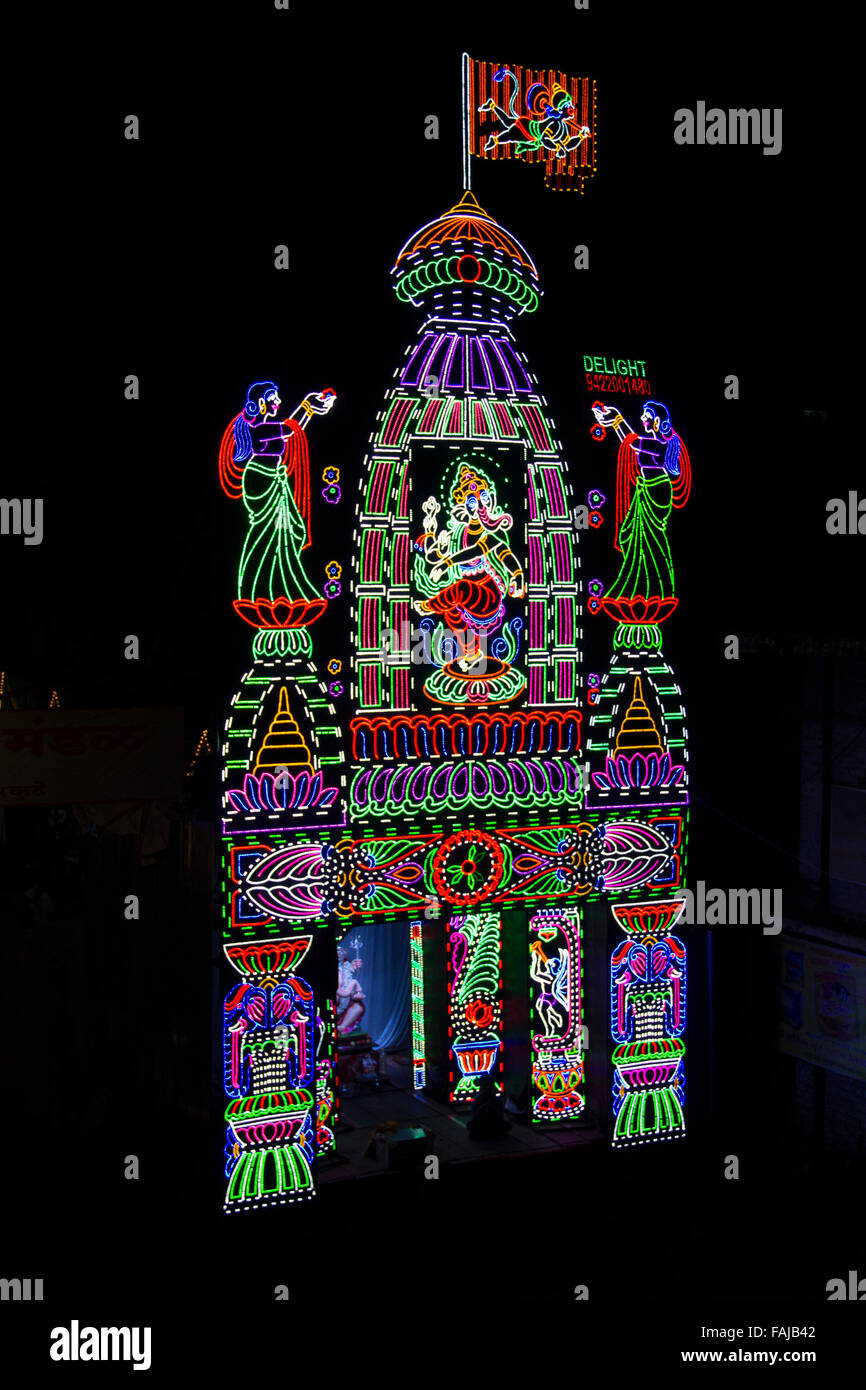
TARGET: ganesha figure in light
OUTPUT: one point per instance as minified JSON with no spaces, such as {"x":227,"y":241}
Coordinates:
{"x":466,"y":573}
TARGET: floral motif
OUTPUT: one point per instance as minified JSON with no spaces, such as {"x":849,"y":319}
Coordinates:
{"x":279,"y":612}
{"x":640,"y":609}
{"x":639,"y":770}
{"x":282,"y":792}
{"x":467,"y":868}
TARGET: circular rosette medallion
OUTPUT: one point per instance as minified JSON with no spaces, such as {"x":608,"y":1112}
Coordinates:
{"x":467,"y":868}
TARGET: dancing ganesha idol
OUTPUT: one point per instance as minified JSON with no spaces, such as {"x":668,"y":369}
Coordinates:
{"x":466,"y":574}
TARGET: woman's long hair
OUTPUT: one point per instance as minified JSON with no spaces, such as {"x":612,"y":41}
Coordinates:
{"x":676,"y":461}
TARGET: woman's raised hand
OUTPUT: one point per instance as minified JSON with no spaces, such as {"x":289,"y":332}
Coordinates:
{"x":320,"y":402}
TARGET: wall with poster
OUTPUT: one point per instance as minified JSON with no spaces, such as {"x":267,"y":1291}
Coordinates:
{"x":822,"y":1004}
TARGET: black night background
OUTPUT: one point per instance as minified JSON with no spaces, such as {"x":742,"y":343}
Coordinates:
{"x":306,"y":127}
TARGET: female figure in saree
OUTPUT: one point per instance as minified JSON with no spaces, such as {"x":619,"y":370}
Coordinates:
{"x":266,"y":461}
{"x":653,"y":475}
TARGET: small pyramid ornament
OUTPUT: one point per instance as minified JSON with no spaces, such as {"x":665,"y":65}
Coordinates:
{"x":638,"y":731}
{"x":283,"y":745}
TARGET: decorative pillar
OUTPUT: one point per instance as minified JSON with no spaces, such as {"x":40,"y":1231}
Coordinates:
{"x":648,"y":1019}
{"x":416,"y":967}
{"x":556,"y":1023}
{"x":638,"y":763}
{"x":269,"y":1028}
{"x":327,"y":1098}
{"x":282,"y":802}
{"x":474,"y":968}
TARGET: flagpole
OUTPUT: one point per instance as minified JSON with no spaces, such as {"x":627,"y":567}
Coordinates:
{"x":467,"y":175}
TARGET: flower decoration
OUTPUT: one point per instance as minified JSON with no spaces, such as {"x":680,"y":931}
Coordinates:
{"x":479,"y":1012}
{"x":640,"y":609}
{"x":333,"y":588}
{"x":639,"y":770}
{"x":270,"y":614}
{"x":467,"y":868}
{"x":269,"y":792}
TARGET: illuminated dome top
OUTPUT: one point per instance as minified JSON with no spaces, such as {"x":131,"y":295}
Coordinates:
{"x":467,"y":221}
{"x":468,"y":265}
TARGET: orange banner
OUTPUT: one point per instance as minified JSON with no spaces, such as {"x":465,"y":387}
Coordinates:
{"x":538,"y":115}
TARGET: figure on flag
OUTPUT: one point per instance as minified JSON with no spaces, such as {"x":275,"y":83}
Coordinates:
{"x":540,"y":116}
{"x":548,"y":124}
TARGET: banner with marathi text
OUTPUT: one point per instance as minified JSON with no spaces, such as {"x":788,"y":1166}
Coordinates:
{"x":58,"y":757}
{"x":538,"y":115}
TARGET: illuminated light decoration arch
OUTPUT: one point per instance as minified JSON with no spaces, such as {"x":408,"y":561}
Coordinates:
{"x":462,"y":794}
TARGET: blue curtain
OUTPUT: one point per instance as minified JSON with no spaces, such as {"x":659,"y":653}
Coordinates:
{"x":384,"y":978}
